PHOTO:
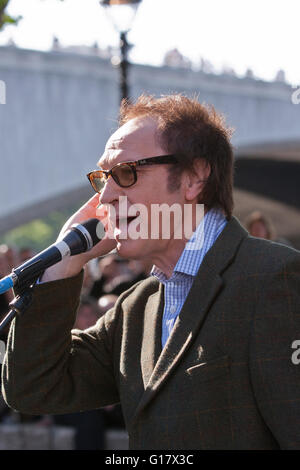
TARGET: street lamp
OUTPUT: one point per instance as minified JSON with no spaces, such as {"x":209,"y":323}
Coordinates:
{"x":121,"y":14}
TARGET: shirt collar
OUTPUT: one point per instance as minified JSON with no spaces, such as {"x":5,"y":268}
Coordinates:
{"x":196,"y":248}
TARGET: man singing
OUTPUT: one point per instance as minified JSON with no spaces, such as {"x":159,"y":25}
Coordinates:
{"x":199,"y":354}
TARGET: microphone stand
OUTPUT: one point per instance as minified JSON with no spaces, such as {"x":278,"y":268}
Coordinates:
{"x":19,"y":304}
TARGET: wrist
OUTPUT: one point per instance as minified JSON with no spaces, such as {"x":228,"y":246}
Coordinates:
{"x":64,"y":269}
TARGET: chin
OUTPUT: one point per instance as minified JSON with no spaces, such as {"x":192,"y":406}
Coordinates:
{"x":131,"y":249}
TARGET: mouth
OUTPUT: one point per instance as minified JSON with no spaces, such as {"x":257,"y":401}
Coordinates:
{"x":123,"y":222}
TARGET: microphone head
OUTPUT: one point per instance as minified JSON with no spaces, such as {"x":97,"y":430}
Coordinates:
{"x":92,"y":230}
{"x":91,"y":226}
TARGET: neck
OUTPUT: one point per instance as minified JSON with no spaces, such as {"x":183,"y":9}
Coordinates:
{"x":167,"y":260}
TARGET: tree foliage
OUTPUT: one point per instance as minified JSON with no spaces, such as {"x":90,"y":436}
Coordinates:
{"x":39,"y":233}
{"x":6,"y":19}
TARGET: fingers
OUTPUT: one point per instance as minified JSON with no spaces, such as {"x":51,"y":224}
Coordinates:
{"x":85,"y":212}
{"x":93,"y":202}
{"x":88,"y":210}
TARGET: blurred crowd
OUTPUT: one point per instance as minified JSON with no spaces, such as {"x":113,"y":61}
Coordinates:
{"x":104,"y":280}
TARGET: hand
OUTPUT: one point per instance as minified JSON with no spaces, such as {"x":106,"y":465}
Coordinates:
{"x":73,"y":265}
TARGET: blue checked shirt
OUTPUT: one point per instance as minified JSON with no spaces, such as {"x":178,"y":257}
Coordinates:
{"x":178,"y":285}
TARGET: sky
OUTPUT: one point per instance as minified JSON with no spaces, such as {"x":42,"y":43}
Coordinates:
{"x":262,"y":35}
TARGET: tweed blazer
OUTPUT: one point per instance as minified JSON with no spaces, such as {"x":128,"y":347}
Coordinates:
{"x":224,"y":380}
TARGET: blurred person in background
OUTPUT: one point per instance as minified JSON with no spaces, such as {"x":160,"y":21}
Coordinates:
{"x":260,"y":225}
{"x":88,"y":313}
{"x":105,"y":303}
{"x":88,"y":281}
{"x":25,"y":254}
{"x":115,"y":276}
{"x":140,"y":268}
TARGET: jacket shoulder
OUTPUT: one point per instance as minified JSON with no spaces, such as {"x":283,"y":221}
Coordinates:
{"x":267,"y":256}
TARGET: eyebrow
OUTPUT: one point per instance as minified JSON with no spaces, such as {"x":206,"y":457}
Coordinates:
{"x":111,"y":147}
{"x":114,"y":144}
{"x":111,"y":166}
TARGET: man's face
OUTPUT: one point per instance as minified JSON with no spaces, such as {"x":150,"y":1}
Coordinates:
{"x":133,"y":141}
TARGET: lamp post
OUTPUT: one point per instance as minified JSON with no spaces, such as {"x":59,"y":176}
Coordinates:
{"x":121,"y":14}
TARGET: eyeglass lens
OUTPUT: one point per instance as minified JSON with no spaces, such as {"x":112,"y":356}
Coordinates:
{"x":123,"y":175}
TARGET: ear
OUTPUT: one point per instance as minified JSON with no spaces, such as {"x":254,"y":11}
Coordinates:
{"x":196,"y":179}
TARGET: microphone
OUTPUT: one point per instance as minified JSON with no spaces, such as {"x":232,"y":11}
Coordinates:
{"x":78,"y":239}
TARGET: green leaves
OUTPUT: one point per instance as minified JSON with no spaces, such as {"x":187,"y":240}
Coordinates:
{"x":39,"y":233}
{"x":3,"y":4}
{"x":6,"y":19}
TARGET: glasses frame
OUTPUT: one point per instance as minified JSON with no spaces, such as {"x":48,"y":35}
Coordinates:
{"x":158,"y":160}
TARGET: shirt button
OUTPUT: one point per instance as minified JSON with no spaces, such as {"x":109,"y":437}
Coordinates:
{"x":173,"y":309}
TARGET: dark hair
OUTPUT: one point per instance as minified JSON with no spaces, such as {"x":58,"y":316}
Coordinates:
{"x":191,"y":131}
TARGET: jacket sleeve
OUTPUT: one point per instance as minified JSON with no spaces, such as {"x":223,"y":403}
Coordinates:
{"x":274,"y":372}
{"x":49,"y":369}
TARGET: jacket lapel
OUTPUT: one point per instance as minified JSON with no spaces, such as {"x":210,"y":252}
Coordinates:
{"x":151,"y":342}
{"x":204,"y":290}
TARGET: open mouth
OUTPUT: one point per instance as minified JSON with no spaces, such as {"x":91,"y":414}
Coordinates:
{"x":124,"y":221}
